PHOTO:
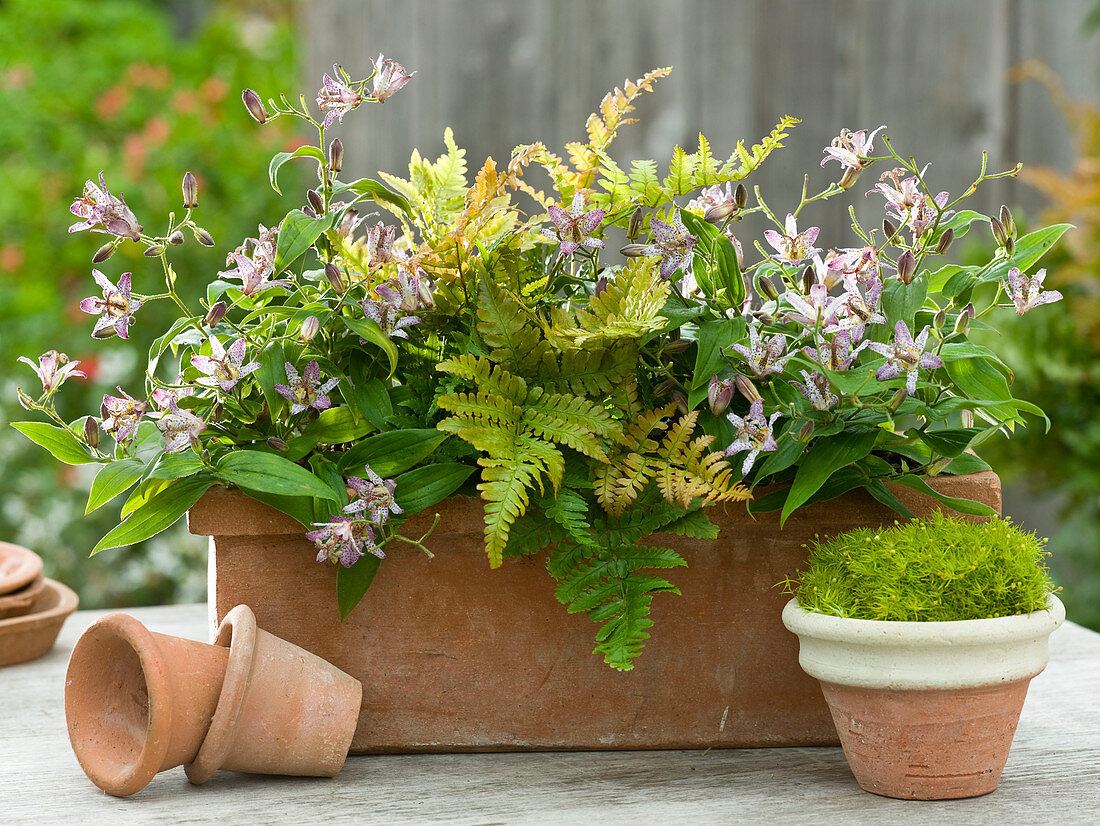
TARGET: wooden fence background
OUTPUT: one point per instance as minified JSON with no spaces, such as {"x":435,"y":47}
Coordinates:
{"x":506,"y":72}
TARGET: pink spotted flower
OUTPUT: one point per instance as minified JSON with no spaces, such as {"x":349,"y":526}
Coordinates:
{"x":374,"y":496}
{"x":121,"y":414}
{"x":181,"y":428}
{"x":336,"y":98}
{"x":905,"y":355}
{"x":1027,"y":292}
{"x":341,"y":540}
{"x":54,"y":369}
{"x":116,"y":308}
{"x":224,"y":368}
{"x":306,"y":390}
{"x":764,"y":357}
{"x":851,"y":149}
{"x":754,"y":434}
{"x":103,"y":212}
{"x":574,"y":227}
{"x":791,"y":246}
{"x":389,"y":77}
{"x":816,"y":390}
{"x":673,"y":243}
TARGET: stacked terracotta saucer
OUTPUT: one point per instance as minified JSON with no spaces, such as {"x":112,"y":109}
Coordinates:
{"x":32,"y":607}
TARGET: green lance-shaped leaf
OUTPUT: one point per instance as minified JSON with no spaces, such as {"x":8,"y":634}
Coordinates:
{"x":375,"y":191}
{"x":57,"y":440}
{"x":352,"y":583}
{"x":370,"y":331}
{"x":968,"y":506}
{"x":158,"y":512}
{"x":296,"y":235}
{"x":113,"y":479}
{"x":825,"y":458}
{"x":282,"y":157}
{"x":423,"y":487}
{"x":392,"y":452}
{"x":271,"y":474}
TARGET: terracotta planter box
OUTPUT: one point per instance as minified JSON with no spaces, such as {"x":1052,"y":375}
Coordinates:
{"x":454,"y":656}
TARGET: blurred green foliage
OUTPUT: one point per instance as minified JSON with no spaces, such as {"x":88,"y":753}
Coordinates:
{"x":1056,"y":356}
{"x":114,"y":85}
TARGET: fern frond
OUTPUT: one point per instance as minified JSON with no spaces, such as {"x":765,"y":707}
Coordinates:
{"x":742,"y":162}
{"x":505,"y":489}
{"x":595,"y":372}
{"x":611,"y":586}
{"x":570,"y":511}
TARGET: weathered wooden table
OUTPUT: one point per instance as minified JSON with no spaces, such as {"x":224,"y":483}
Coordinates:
{"x":1053,"y":773}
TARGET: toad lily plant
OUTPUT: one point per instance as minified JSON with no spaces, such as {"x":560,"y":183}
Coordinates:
{"x":484,"y":336}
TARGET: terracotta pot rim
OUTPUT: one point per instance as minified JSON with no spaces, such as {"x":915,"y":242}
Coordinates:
{"x":67,"y":601}
{"x":28,"y":567}
{"x":238,"y":633}
{"x":128,"y":780}
{"x":923,"y":655}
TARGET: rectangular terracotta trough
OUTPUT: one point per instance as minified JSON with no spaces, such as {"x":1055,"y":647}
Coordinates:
{"x":455,"y":656}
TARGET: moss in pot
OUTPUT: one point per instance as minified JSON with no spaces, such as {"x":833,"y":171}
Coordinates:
{"x":925,"y":637}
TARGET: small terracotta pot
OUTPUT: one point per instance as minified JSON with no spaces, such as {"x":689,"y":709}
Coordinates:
{"x":22,"y":601}
{"x":19,"y":567}
{"x":138,"y":703}
{"x":925,"y":710}
{"x":31,"y":635}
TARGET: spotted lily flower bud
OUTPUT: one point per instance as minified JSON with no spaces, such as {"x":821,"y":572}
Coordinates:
{"x":850,"y":176}
{"x":91,"y":432}
{"x":278,"y":444}
{"x":888,"y":228}
{"x":896,"y":400}
{"x":637,"y":218}
{"x":806,"y":431}
{"x":939,"y":319}
{"x":254,"y":105}
{"x":1010,"y":245}
{"x":718,"y":214}
{"x":215,"y":314}
{"x":963,"y":321}
{"x":315,"y":201}
{"x":1007,"y":222}
{"x":945,"y":241}
{"x":809,"y":278}
{"x":664,"y":388}
{"x":154,"y":251}
{"x":766,"y":288}
{"x":681,"y":402}
{"x":999,"y":232}
{"x":680,"y":345}
{"x":332,"y":273}
{"x":190,"y":189}
{"x":309,"y":329}
{"x":746,"y":388}
{"x":907,"y":265}
{"x":634,"y":250}
{"x":103,"y":253}
{"x":336,"y":155}
{"x":719,"y":394}
{"x":740,"y":197}
{"x":176,"y":238}
{"x":203,"y":237}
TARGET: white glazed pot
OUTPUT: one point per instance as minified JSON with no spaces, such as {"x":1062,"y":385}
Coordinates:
{"x":925,"y":710}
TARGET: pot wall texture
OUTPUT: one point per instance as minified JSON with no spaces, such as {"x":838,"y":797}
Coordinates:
{"x":454,"y":656}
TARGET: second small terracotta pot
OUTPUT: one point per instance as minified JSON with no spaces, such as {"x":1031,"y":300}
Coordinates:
{"x":138,"y":703}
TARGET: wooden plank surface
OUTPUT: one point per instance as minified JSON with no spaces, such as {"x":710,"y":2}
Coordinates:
{"x":1053,"y":772}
